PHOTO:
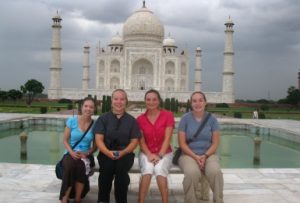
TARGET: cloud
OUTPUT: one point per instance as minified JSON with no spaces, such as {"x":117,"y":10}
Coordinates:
{"x":266,"y":39}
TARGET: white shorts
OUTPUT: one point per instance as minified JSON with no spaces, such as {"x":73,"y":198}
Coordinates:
{"x":161,"y":168}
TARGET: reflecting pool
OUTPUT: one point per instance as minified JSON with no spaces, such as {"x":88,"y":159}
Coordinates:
{"x":237,"y":149}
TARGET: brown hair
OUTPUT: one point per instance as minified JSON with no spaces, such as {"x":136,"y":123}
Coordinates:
{"x":84,"y":100}
{"x":198,"y":92}
{"x":155,"y":92}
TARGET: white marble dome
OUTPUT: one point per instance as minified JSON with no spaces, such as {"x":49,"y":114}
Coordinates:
{"x":116,"y":40}
{"x":169,"y":42}
{"x":143,"y":24}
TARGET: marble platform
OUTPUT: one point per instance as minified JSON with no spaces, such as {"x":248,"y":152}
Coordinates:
{"x":22,"y":183}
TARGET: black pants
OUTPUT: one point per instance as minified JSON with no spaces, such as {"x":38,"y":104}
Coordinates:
{"x":116,"y":170}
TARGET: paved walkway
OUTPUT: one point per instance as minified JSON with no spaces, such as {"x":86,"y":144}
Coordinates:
{"x":37,"y":183}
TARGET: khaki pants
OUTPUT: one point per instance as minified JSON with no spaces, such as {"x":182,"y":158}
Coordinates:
{"x":193,"y":175}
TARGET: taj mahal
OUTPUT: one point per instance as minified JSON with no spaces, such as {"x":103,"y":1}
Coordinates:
{"x":139,"y":59}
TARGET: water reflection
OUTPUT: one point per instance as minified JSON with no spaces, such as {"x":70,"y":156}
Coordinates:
{"x":23,"y":142}
{"x":44,"y":145}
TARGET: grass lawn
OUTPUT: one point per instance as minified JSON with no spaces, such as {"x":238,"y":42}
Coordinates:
{"x":21,"y":107}
{"x":272,"y":113}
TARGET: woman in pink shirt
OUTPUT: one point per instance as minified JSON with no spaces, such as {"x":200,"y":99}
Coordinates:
{"x":156,"y":155}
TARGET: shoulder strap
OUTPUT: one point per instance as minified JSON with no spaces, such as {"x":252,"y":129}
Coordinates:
{"x":200,"y":128}
{"x":83,"y":135}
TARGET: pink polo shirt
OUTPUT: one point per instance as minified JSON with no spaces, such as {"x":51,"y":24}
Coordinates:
{"x":154,"y":134}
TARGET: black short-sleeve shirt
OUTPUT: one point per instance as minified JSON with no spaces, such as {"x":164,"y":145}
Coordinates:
{"x":117,"y":131}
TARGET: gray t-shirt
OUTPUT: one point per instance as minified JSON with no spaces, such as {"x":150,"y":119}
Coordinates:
{"x":189,"y":125}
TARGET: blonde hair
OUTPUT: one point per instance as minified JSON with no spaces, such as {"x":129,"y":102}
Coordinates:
{"x":120,"y":90}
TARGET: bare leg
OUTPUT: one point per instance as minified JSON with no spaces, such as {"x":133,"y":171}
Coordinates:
{"x":162,"y":183}
{"x":66,"y":197}
{"x":144,"y":186}
{"x":79,"y":188}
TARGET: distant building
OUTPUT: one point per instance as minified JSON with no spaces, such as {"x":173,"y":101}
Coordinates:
{"x":140,"y":59}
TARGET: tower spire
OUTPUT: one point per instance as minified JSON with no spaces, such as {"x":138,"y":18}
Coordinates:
{"x":144,"y":4}
{"x":86,"y":67}
{"x":228,"y":72}
{"x":55,"y":68}
{"x":198,"y":70}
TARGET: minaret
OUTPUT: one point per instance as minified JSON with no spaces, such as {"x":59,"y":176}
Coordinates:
{"x":55,"y":69}
{"x":86,"y":67}
{"x":228,"y":61}
{"x":198,"y":69}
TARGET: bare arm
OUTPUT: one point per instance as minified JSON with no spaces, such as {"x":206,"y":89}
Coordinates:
{"x":215,"y":143}
{"x":167,"y":140}
{"x":101,"y":146}
{"x":93,"y":148}
{"x":184,"y":146}
{"x":67,"y":134}
{"x":130,"y":147}
{"x":144,"y":148}
{"x":99,"y":138}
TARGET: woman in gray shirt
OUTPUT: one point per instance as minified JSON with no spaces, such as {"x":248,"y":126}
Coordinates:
{"x":199,"y":156}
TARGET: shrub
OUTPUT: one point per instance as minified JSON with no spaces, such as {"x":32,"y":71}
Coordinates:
{"x":222,"y":105}
{"x":43,"y":109}
{"x":237,"y":115}
{"x":70,"y":106}
{"x":261,"y":115}
{"x":188,"y":106}
{"x":58,"y":109}
{"x":264,"y":107}
{"x":65,"y":101}
{"x":167,"y":104}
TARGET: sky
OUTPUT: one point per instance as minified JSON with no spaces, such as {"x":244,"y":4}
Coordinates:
{"x":266,"y":40}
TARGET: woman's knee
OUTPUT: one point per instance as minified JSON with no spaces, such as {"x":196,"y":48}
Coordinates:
{"x":161,"y":170}
{"x":192,"y":172}
{"x":214,"y":172}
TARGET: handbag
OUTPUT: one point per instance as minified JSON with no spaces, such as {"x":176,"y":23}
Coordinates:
{"x":178,"y":151}
{"x":59,"y":166}
{"x":92,"y":160}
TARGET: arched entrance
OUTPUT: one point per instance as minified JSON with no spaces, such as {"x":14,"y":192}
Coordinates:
{"x":142,"y":75}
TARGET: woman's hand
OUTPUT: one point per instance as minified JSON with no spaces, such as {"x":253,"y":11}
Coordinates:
{"x":202,"y":162}
{"x":82,"y":155}
{"x":201,"y":159}
{"x":153,"y":158}
{"x":75,"y":155}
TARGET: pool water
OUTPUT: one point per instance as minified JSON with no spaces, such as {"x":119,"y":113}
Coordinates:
{"x":237,"y":151}
{"x":44,"y":146}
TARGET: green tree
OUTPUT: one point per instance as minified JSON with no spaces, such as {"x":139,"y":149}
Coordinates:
{"x":293,"y":96}
{"x":176,"y":106}
{"x":188,"y":105}
{"x":14,"y":94}
{"x":103,"y":104}
{"x":96,"y":105}
{"x":30,"y":89}
{"x":108,"y":104}
{"x":3,"y":95}
{"x":167,"y":104}
{"x":173,"y":104}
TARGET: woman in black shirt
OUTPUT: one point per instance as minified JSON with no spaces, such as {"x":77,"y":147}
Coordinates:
{"x":116,"y":134}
